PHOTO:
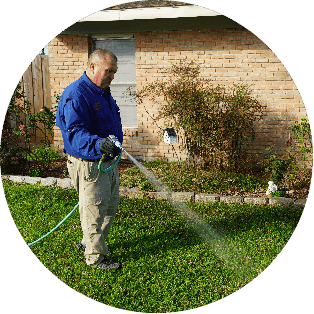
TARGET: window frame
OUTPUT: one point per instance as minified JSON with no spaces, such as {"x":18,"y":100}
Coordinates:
{"x":93,"y":46}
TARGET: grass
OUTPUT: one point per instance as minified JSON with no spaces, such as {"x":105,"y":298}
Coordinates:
{"x":166,"y":266}
{"x":180,"y":178}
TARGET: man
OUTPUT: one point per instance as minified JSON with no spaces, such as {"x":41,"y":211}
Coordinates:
{"x":87,"y":114}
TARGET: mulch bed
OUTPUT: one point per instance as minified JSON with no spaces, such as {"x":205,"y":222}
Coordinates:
{"x":57,"y":169}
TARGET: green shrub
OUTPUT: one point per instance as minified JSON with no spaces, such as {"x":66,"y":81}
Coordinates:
{"x":217,"y":121}
{"x":292,"y":163}
{"x":34,"y":172}
{"x":278,"y":165}
{"x":43,"y":155}
{"x":278,"y":193}
{"x":17,"y":139}
{"x":301,"y":139}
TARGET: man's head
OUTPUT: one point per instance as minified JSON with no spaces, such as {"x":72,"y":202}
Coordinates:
{"x":101,"y":68}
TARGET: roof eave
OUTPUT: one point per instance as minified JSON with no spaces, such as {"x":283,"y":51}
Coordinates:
{"x":149,"y":13}
{"x":150,"y":25}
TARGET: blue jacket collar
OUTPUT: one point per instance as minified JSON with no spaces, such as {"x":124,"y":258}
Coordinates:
{"x":90,"y":84}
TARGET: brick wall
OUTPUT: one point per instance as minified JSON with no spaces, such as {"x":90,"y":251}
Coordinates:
{"x":68,"y":55}
{"x":228,"y":56}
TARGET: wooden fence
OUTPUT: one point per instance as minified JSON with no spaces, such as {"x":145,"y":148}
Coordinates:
{"x":36,"y":84}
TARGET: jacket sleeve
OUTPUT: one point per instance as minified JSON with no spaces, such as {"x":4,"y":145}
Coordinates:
{"x":76,"y":120}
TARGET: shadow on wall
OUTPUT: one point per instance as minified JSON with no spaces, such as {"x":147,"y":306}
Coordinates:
{"x":147,"y":143}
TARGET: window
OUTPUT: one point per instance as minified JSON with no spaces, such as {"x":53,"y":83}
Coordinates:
{"x":124,"y":49}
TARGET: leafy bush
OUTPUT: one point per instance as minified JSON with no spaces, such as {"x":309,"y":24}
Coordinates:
{"x":34,"y":172}
{"x":43,"y":154}
{"x":16,"y":141}
{"x":301,"y":139}
{"x":278,"y":193}
{"x":217,"y":121}
{"x":292,"y":164}
{"x":11,"y":152}
{"x":278,"y":165}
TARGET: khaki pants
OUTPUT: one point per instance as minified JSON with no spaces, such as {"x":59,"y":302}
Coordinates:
{"x":99,"y":199}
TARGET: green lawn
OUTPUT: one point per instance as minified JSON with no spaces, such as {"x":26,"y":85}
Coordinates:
{"x":166,"y":265}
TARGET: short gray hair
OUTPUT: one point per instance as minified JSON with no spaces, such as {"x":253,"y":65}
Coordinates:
{"x":99,"y":54}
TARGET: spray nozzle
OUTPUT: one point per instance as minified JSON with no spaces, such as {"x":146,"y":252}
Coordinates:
{"x":115,"y":141}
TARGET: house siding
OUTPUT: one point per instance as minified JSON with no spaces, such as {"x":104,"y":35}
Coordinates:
{"x":227,"y":56}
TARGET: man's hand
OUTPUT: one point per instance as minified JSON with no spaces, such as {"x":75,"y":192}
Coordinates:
{"x":106,"y":146}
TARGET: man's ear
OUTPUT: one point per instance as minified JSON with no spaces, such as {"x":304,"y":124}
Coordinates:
{"x":92,"y":67}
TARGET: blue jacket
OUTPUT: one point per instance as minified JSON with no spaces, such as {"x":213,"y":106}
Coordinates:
{"x":86,"y":114}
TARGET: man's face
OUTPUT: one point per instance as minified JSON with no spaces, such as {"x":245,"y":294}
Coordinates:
{"x":103,"y":72}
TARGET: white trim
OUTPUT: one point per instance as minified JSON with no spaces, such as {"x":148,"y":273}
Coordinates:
{"x":150,"y":13}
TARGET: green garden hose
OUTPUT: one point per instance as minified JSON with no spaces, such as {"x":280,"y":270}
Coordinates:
{"x":57,"y":226}
{"x":77,"y":205}
{"x":109,"y":168}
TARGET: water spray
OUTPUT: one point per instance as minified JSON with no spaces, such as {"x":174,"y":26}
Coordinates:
{"x":230,"y":255}
{"x":239,"y":263}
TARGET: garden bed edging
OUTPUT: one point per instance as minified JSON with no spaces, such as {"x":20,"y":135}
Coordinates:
{"x":176,"y":196}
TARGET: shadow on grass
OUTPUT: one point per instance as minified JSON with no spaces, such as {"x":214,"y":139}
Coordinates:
{"x":159,"y":242}
{"x":261,"y":217}
{"x":225,"y":221}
